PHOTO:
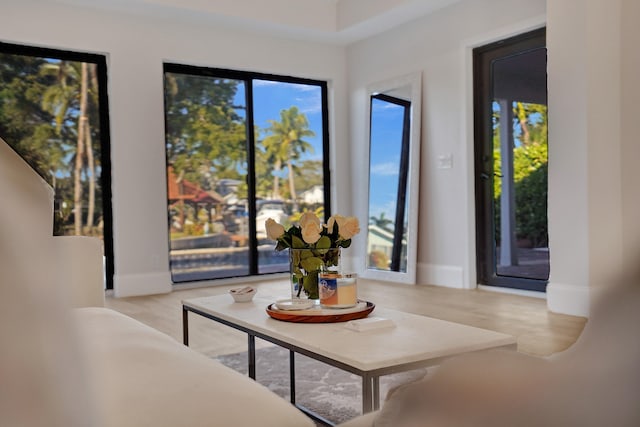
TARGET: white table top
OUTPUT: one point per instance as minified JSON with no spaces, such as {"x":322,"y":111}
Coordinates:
{"x":413,"y":339}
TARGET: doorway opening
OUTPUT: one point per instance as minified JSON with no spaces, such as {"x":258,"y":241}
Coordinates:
{"x":511,"y":157}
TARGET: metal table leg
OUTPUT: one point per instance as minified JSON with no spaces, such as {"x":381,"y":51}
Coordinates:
{"x":252,"y":356}
{"x":292,"y":375}
{"x":367,"y":394}
{"x":376,"y":393}
{"x":185,"y":326}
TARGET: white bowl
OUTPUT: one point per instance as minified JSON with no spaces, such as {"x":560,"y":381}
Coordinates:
{"x":244,"y":294}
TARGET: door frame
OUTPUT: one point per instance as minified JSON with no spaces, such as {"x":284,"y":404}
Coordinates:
{"x":483,"y":163}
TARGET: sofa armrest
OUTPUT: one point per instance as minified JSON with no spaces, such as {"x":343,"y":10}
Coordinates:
{"x":82,"y":269}
{"x":361,"y":421}
{"x":142,"y":377}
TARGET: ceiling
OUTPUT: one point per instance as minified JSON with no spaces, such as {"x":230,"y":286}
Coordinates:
{"x":334,"y":21}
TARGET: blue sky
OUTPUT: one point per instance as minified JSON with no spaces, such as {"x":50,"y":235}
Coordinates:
{"x":386,"y":142}
{"x":271,"y":97}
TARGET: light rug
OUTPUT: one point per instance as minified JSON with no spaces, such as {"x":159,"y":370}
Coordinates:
{"x":330,"y":392}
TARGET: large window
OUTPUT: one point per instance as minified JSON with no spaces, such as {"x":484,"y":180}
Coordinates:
{"x":241,"y":148}
{"x":54,"y":113}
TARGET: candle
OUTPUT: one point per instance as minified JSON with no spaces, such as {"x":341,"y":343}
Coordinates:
{"x":338,"y":290}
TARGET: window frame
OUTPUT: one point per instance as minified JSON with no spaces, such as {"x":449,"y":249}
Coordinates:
{"x":100,"y":60}
{"x":247,"y":77}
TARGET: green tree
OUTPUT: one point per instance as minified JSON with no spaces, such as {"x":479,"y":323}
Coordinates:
{"x":40,"y":117}
{"x":71,"y":101}
{"x":313,"y":174}
{"x":381,"y":221}
{"x":530,"y":158}
{"x":205,"y":135}
{"x":23,"y":123}
{"x":285,"y":144}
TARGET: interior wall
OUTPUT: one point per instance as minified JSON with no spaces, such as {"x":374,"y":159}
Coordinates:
{"x":593,"y":99}
{"x":136,"y":48}
{"x":630,"y":111}
{"x":439,"y":45}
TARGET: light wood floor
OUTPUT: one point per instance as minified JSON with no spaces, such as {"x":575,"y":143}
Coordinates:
{"x":538,"y":331}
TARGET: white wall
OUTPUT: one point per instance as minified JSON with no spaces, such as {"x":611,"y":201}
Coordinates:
{"x":136,"y":48}
{"x":594,"y":204}
{"x":630,"y":111}
{"x":440,"y":46}
{"x":593,"y":67}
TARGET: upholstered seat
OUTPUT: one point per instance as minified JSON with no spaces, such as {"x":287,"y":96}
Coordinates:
{"x":596,"y":382}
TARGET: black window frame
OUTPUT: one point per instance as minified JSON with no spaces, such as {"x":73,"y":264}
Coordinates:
{"x":247,"y":77}
{"x":100,"y":60}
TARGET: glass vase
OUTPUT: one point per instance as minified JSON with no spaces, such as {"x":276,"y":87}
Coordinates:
{"x":304,"y":266}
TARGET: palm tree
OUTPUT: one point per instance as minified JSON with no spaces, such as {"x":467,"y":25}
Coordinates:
{"x":60,"y":100}
{"x":381,"y":221}
{"x":92,"y":91}
{"x":285,"y":144}
{"x":80,"y":147}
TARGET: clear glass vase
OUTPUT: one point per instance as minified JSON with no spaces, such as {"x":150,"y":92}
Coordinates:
{"x":304,"y":266}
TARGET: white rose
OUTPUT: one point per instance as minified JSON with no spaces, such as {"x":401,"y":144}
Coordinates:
{"x":332,"y":220}
{"x":309,"y":218}
{"x":274,"y":230}
{"x":310,"y":232}
{"x":347,"y":226}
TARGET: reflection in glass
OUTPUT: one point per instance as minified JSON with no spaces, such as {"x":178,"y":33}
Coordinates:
{"x":388,"y":173}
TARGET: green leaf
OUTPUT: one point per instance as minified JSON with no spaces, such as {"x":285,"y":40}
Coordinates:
{"x":311,"y":263}
{"x":345,"y":243}
{"x":310,"y":285}
{"x":323,"y":243}
{"x":297,"y":243}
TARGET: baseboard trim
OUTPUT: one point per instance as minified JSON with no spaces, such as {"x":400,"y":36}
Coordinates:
{"x":449,"y":276}
{"x":521,"y":292}
{"x":568,"y":299}
{"x":129,"y":285}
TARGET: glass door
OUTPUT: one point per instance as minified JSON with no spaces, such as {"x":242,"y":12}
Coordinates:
{"x":511,"y":157}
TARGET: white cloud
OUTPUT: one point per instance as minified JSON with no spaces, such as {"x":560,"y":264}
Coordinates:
{"x":387,"y":106}
{"x":385,"y":169}
{"x":263,"y":83}
{"x":310,"y":104}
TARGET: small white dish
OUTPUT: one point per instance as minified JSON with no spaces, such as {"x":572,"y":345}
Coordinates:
{"x":293,"y":304}
{"x":244,"y":294}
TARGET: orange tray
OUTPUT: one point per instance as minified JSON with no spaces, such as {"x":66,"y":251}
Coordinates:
{"x":319,"y":315}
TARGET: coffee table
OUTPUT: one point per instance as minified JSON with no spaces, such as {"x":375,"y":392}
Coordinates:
{"x":414,"y":342}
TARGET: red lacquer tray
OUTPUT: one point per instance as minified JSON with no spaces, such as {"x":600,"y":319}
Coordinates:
{"x":320,"y":315}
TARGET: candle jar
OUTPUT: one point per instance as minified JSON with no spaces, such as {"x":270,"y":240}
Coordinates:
{"x":337,"y":290}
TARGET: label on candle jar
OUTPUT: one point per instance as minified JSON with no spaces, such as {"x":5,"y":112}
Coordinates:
{"x":337,"y":291}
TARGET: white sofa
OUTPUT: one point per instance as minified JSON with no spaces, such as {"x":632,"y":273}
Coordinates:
{"x":596,"y":382}
{"x":66,"y":361}
{"x":143,"y":377}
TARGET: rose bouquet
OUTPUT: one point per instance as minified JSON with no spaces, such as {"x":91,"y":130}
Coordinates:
{"x":313,"y":246}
